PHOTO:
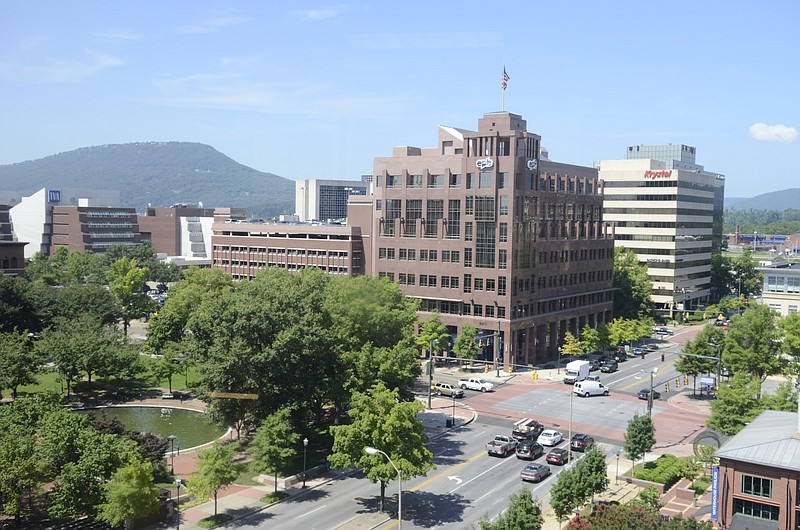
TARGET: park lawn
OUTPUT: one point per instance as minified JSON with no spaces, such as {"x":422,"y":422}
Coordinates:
{"x":46,"y":380}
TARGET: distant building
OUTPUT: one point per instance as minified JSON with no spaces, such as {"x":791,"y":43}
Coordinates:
{"x":325,"y":200}
{"x":32,"y":217}
{"x":93,"y":228}
{"x":12,"y":253}
{"x":781,"y":287}
{"x":243,"y":248}
{"x":758,"y":480}
{"x":180,"y":230}
{"x":668,"y":210}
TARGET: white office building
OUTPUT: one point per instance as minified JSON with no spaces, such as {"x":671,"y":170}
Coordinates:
{"x":668,"y":210}
{"x":326,"y":200}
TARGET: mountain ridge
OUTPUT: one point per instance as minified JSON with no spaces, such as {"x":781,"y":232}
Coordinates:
{"x":157,"y":174}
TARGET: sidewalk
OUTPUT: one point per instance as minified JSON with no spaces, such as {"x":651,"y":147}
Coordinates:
{"x":241,"y":501}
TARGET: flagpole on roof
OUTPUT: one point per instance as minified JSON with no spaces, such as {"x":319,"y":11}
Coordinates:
{"x":503,"y":86}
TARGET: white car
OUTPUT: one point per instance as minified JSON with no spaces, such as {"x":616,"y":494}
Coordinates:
{"x":550,"y":437}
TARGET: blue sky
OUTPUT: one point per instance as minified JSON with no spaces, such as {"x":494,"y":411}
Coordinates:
{"x":317,"y":90}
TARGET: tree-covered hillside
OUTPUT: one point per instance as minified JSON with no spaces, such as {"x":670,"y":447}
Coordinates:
{"x":158,"y":173}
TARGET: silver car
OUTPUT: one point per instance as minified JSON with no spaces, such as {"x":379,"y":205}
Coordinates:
{"x":535,"y":472}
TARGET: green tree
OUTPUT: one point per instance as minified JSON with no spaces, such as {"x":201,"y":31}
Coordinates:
{"x":168,"y":364}
{"x":126,"y":283}
{"x":465,"y":346}
{"x":433,"y":334}
{"x":17,"y":310}
{"x":789,"y":327}
{"x":650,"y":496}
{"x":129,"y":494}
{"x":215,"y":470}
{"x":639,"y":437}
{"x":21,"y":470}
{"x":570,"y":346}
{"x":566,"y":494}
{"x":723,"y":280}
{"x":380,"y":420}
{"x":752,"y":343}
{"x":397,"y":367}
{"x":593,"y":471}
{"x":524,"y":512}
{"x":590,"y":339}
{"x":623,"y":331}
{"x":86,"y":299}
{"x":745,"y":274}
{"x":699,"y":354}
{"x":18,"y":361}
{"x":275,"y":444}
{"x":736,"y":404}
{"x":632,"y":286}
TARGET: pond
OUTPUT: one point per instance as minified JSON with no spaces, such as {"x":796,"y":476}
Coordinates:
{"x":189,"y":427}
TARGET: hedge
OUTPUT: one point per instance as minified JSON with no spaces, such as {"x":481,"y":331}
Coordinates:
{"x":666,"y":470}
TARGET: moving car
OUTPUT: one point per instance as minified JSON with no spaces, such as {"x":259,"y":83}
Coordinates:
{"x":557,"y":456}
{"x":550,"y":437}
{"x":594,"y":365}
{"x":529,"y":450}
{"x":535,"y":472}
{"x":593,"y":378}
{"x":447,"y":389}
{"x":581,"y":442}
{"x":590,"y":388}
{"x":609,"y":367}
{"x":643,"y":394}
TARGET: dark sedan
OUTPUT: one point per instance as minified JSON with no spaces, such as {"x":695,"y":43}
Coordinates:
{"x":529,"y":450}
{"x":609,"y":367}
{"x":643,"y":394}
{"x":558,"y":457}
{"x":535,"y":472}
{"x":581,"y":442}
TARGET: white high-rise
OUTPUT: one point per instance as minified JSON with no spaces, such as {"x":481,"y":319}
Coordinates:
{"x":668,"y":210}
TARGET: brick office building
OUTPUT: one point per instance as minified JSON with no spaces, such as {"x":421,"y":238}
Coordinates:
{"x":487,"y":232}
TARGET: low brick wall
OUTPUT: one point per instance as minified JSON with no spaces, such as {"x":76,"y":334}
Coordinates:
{"x":644,"y":483}
{"x":684,"y":494}
{"x":288,"y":482}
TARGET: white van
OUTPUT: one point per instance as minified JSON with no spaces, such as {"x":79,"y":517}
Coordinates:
{"x":590,"y":388}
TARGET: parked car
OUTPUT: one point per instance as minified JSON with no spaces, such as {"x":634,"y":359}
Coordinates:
{"x":643,"y":394}
{"x":637,"y":352}
{"x":665,"y":331}
{"x":535,"y":472}
{"x":609,"y":367}
{"x":527,"y":429}
{"x":593,"y":378}
{"x":557,"y":456}
{"x":651,"y":347}
{"x":529,"y":450}
{"x":594,"y":365}
{"x":581,"y":442}
{"x":550,"y":437}
{"x":447,"y":389}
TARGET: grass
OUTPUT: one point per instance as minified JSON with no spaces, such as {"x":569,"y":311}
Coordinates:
{"x":214,"y":520}
{"x":701,"y":484}
{"x":274,"y":497}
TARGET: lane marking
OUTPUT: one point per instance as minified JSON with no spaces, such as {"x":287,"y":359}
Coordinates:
{"x":312,"y":511}
{"x":448,"y":471}
{"x":479,"y":499}
{"x":478,"y":476}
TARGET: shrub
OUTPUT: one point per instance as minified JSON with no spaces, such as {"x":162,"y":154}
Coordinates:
{"x":666,"y":470}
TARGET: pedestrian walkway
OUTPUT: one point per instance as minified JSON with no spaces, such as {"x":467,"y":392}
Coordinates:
{"x":240,"y":501}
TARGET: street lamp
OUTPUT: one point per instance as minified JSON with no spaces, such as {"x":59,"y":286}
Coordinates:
{"x":171,"y":439}
{"x":755,"y":239}
{"x":616,"y":478}
{"x":177,"y":501}
{"x":650,"y":395}
{"x":569,"y":447}
{"x":453,"y":421}
{"x":305,"y":448}
{"x":430,"y":371}
{"x":373,"y":451}
{"x":559,"y":360}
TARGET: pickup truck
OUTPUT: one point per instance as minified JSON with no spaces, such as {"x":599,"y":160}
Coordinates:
{"x":526,"y":429}
{"x":501,"y":445}
{"x":474,"y":383}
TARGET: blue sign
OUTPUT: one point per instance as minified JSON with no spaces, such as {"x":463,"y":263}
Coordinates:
{"x":714,"y":493}
{"x":53,"y":195}
{"x":707,"y":380}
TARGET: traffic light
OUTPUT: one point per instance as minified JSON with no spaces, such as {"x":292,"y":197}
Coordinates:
{"x":686,"y":380}
{"x":662,"y":357}
{"x":677,"y":383}
{"x":486,"y":368}
{"x":534,"y":375}
{"x":666,"y":388}
{"x":510,"y":368}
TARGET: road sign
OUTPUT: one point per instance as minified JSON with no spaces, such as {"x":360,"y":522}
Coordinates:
{"x":707,"y":380}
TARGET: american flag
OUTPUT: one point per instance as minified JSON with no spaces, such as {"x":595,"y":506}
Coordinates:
{"x":505,"y":78}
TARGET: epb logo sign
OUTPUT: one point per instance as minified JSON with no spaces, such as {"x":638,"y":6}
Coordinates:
{"x":484,"y":163}
{"x":532,"y":164}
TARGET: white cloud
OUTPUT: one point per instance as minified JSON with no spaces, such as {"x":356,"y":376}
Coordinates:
{"x":773,"y":133}
{"x":322,"y":14}
{"x":213,"y":24}
{"x":60,"y":71}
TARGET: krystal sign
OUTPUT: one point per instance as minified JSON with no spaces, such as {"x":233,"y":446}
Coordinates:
{"x":484,"y":163}
{"x":663,"y":174}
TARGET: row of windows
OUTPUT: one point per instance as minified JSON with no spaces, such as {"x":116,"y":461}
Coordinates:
{"x":662,"y":238}
{"x":275,"y":251}
{"x":658,"y":184}
{"x":117,"y":214}
{"x":669,"y":198}
{"x":109,"y":225}
{"x":783,"y":284}
{"x":461,"y":308}
{"x":295,"y":267}
{"x":410,"y":254}
{"x":661,"y":224}
{"x":656,"y":211}
{"x":491,"y":180}
{"x":561,"y":304}
{"x":113,"y":235}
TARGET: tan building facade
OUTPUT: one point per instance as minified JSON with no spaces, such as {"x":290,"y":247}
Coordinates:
{"x":483,"y":231}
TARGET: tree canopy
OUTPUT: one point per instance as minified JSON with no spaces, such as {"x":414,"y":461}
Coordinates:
{"x":633,"y":288}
